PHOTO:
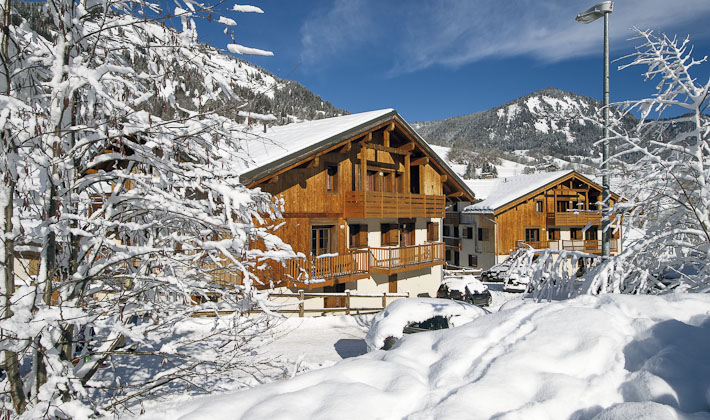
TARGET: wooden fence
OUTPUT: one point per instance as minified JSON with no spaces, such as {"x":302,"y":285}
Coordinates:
{"x":301,"y":309}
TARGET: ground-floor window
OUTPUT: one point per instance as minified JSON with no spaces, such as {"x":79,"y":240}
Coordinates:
{"x":473,"y":260}
{"x":532,"y":235}
{"x":334,"y":301}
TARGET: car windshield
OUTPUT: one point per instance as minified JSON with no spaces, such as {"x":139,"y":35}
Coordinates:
{"x":436,"y":323}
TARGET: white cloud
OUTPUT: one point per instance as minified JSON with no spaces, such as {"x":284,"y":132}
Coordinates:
{"x":326,"y":33}
{"x":422,"y":33}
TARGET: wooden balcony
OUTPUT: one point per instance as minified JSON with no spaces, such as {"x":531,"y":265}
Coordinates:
{"x":452,"y":242}
{"x":592,"y":246}
{"x":327,"y":270}
{"x":574,"y":218}
{"x":331,"y":269}
{"x":452,"y":219}
{"x":533,"y":244}
{"x":408,"y":258}
{"x":364,"y":204}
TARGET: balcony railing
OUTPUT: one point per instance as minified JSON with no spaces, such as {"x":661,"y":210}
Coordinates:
{"x":534,"y":244}
{"x":452,"y":242}
{"x":592,"y":246}
{"x":331,"y":269}
{"x":574,"y":218}
{"x":327,"y":270}
{"x":395,"y":260}
{"x":362,"y":204}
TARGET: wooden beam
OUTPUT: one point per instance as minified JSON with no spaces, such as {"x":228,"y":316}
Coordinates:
{"x":363,"y":167}
{"x":390,"y":127}
{"x":273,"y":179}
{"x":408,"y":147}
{"x":456,"y":194}
{"x":313,"y":162}
{"x":368,"y":137}
{"x":386,"y":138}
{"x":444,"y":178}
{"x":388,"y":149}
{"x":407,"y":169}
{"x":421,"y":161}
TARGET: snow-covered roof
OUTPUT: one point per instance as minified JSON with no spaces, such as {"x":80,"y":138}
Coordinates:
{"x":282,"y":144}
{"x":498,"y":192}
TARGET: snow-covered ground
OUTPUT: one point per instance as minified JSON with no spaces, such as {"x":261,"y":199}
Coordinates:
{"x":607,"y":357}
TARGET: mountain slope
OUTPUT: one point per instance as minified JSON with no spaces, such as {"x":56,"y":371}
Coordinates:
{"x":550,"y":121}
{"x":253,"y":89}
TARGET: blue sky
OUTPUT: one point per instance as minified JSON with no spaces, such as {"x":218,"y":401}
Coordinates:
{"x":436,"y":59}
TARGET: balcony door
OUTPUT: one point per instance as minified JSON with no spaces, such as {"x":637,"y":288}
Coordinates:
{"x":321,"y":241}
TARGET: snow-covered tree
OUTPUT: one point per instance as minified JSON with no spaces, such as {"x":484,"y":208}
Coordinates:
{"x":137,"y":222}
{"x":664,"y":177}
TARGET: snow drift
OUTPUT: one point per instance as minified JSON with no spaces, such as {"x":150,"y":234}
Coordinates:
{"x":608,"y":357}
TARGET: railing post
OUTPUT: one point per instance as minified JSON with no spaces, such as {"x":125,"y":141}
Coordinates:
{"x":384,"y":300}
{"x":301,"y":304}
{"x":347,"y":302}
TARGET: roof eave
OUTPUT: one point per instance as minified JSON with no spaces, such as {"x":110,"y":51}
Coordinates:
{"x":267,"y":169}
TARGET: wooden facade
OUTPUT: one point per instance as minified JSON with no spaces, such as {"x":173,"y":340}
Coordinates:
{"x":562,"y":215}
{"x":382,"y":176}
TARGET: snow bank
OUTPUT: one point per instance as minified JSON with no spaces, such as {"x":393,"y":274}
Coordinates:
{"x":608,"y":357}
{"x":400,"y":313}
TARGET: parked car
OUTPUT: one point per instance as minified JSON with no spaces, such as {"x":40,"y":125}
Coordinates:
{"x":465,"y":287}
{"x":516,"y":282}
{"x":496,"y":273}
{"x":408,"y":316}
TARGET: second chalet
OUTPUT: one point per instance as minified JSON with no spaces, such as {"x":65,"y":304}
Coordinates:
{"x":550,"y":210}
{"x":364,"y":200}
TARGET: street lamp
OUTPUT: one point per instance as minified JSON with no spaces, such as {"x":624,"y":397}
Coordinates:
{"x":603,"y":9}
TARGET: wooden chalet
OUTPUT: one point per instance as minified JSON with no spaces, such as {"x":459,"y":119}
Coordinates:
{"x":364,"y":199}
{"x":550,"y":210}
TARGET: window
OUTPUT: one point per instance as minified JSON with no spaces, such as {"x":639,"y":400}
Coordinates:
{"x":575,"y":233}
{"x":456,"y":231}
{"x":448,"y":255}
{"x":390,"y":234}
{"x":372,"y":181}
{"x":447,"y":230}
{"x":406,"y":233}
{"x":538,"y":206}
{"x":562,"y":206}
{"x":358,"y":236}
{"x":591,"y":234}
{"x":468,"y":233}
{"x":473,"y":260}
{"x":482,"y":234}
{"x":456,"y":258}
{"x":320,"y":240}
{"x":432,"y":232}
{"x":388,"y":179}
{"x":553,"y":234}
{"x":532,"y":235}
{"x":331,"y":178}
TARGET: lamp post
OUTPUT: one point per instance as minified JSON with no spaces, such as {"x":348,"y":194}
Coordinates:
{"x":603,"y":9}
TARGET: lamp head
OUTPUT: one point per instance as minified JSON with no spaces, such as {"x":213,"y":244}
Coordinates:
{"x":595,"y":12}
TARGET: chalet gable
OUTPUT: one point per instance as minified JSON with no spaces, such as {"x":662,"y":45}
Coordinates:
{"x":507,"y":193}
{"x":304,"y":144}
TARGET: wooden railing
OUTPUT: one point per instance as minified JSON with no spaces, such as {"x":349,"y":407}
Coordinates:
{"x":394,"y":260}
{"x":534,"y":244}
{"x":452,"y":242}
{"x":363,"y":204}
{"x":594,"y":245}
{"x":297,"y":303}
{"x":327,"y":270}
{"x":574,"y":218}
{"x":452,"y":218}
